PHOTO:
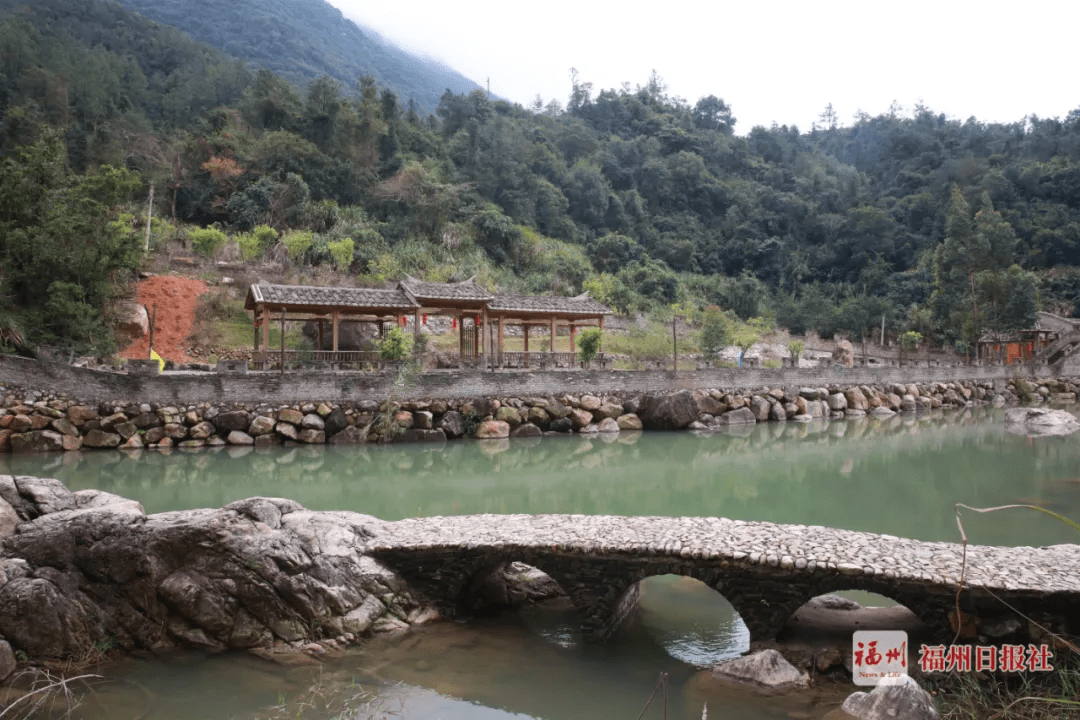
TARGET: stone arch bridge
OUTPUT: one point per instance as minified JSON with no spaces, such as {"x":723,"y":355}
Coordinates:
{"x":766,"y":571}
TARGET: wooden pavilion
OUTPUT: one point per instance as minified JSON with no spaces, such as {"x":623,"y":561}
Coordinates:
{"x":477,"y":314}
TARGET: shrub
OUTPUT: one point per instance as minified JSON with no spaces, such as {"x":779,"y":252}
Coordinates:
{"x":255,"y":243}
{"x":910,"y":340}
{"x":796,"y":347}
{"x":342,"y":252}
{"x":745,"y":339}
{"x":207,"y":241}
{"x":394,"y":346}
{"x":297,"y":242}
{"x":589,"y":344}
{"x":716,"y":330}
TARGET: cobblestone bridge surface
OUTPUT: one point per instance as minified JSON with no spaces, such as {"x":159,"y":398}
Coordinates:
{"x":766,"y":571}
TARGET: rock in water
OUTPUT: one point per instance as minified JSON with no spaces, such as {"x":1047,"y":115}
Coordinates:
{"x":766,"y":668}
{"x":904,"y":700}
{"x":260,"y":571}
{"x":1040,"y":421}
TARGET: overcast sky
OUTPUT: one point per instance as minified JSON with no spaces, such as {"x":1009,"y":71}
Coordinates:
{"x":777,"y":61}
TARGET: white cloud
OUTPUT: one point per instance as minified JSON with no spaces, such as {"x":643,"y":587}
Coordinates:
{"x":771,"y":61}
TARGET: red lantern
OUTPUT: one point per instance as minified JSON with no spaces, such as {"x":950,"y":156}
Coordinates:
{"x":453,"y":323}
{"x":425,"y":318}
{"x":477,"y":319}
{"x":403,"y":321}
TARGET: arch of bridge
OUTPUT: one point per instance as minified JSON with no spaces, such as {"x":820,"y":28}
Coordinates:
{"x":766,"y":571}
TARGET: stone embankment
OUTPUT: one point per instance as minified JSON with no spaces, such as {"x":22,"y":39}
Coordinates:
{"x":87,"y":570}
{"x":36,"y":420}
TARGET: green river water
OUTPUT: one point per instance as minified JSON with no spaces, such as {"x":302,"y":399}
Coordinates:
{"x":900,"y":477}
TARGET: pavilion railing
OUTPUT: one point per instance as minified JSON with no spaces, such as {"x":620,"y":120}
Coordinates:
{"x":548,"y":360}
{"x":369,"y":360}
{"x":300,"y":359}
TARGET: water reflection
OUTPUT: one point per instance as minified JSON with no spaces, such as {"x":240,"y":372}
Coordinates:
{"x":900,"y":476}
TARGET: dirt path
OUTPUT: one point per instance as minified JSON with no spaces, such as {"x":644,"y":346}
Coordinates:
{"x":175,"y":298}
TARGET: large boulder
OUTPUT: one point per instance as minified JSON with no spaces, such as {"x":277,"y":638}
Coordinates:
{"x":131,"y":321}
{"x":37,"y":441}
{"x":526,"y":430}
{"x":257,"y":573}
{"x":843,"y":354}
{"x":629,"y":421}
{"x":351,"y":335}
{"x":856,"y":400}
{"x":453,"y":424}
{"x":669,"y":412}
{"x":492,"y":429}
{"x":508,"y":415}
{"x":335,"y":421}
{"x":1040,"y":421}
{"x":608,"y":425}
{"x":226,"y":422}
{"x":7,"y":660}
{"x":350,"y":435}
{"x":8,"y":520}
{"x":903,"y":700}
{"x":760,"y":407}
{"x":741,"y":416}
{"x":580,"y":418}
{"x":765,"y":668}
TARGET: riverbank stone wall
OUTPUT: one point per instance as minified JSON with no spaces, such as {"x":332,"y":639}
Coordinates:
{"x":37,"y":419}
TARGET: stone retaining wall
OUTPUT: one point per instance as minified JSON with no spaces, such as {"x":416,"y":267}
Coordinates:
{"x":36,"y":419}
{"x":188,"y":388}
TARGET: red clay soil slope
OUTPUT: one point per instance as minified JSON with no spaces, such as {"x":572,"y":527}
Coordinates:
{"x":175,"y":298}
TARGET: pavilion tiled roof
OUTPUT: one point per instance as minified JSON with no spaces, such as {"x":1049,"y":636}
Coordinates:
{"x":464,"y":290}
{"x":343,"y":297}
{"x":580,"y":305}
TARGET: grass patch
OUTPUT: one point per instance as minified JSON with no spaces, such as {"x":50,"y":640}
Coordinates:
{"x":1028,"y":696}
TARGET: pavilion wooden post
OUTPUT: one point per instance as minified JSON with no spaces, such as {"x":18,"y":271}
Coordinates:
{"x":416,"y":326}
{"x":485,"y":345}
{"x":600,"y":342}
{"x":525,"y":332}
{"x":335,"y":323}
{"x":501,"y":331}
{"x":461,"y":341}
{"x":255,"y":315}
{"x":282,"y":340}
{"x":320,"y":347}
{"x":551,"y":343}
{"x":573,"y":329}
{"x":265,"y":314}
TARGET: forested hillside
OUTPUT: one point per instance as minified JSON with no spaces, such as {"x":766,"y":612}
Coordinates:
{"x":301,"y":40}
{"x":943,"y":227}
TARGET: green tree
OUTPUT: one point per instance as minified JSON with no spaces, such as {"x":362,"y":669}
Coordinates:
{"x":58,"y":256}
{"x":588,"y":341}
{"x":342,"y":252}
{"x":717,"y":331}
{"x":745,"y":338}
{"x":207,"y":241}
{"x":971,"y":245}
{"x":394,"y":346}
{"x":796,"y":347}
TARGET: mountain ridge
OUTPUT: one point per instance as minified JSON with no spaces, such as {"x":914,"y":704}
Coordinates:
{"x":305,"y":39}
